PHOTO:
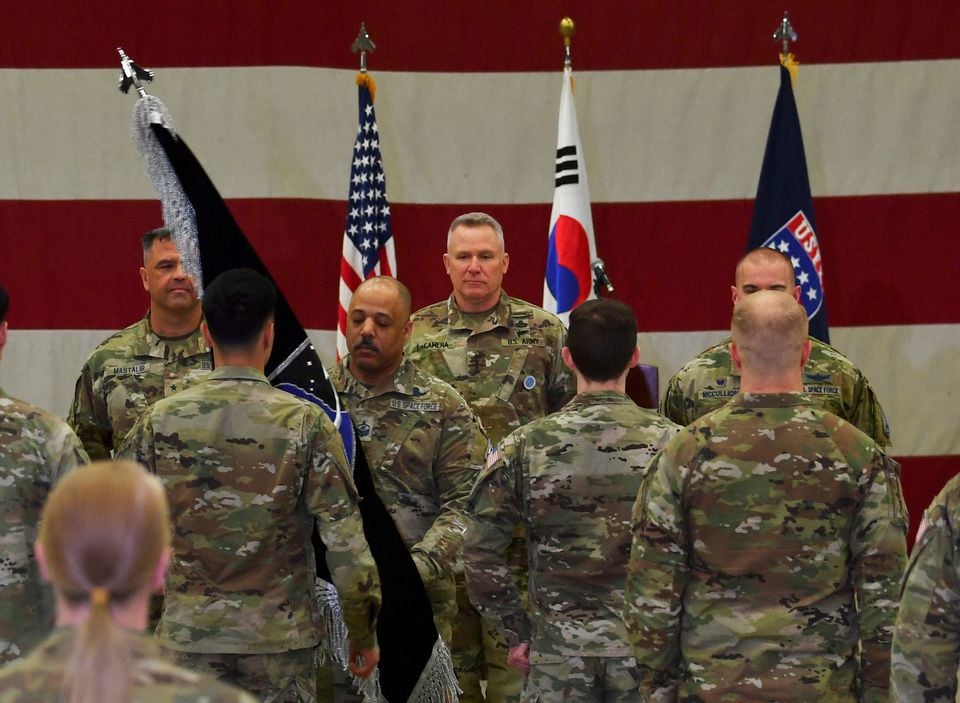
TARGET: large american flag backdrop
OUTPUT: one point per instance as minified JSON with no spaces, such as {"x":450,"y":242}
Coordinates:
{"x":674,"y":103}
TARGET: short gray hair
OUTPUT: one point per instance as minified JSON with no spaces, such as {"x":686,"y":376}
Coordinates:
{"x":476,"y":219}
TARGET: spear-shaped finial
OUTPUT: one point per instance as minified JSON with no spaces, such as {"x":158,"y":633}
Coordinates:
{"x":566,"y":31}
{"x":785,"y":34}
{"x":363,"y":44}
{"x":131,"y":75}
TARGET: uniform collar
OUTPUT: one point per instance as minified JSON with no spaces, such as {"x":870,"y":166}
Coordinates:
{"x":771,"y":400}
{"x":498,"y":317}
{"x":237,"y":373}
{"x":149,"y":343}
{"x":403,"y":382}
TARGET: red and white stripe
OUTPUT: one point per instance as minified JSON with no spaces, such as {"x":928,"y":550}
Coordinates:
{"x":673,"y":102}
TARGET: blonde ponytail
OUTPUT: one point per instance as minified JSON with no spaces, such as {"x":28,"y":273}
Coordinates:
{"x":103,"y":531}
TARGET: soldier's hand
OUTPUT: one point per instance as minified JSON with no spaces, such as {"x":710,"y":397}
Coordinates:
{"x":363,"y":661}
{"x":519,"y":657}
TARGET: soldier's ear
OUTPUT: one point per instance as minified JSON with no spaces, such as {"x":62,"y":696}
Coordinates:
{"x":41,"y":562}
{"x":159,"y":576}
{"x":568,"y":358}
{"x":735,"y":356}
{"x":143,"y":279}
{"x":805,"y":355}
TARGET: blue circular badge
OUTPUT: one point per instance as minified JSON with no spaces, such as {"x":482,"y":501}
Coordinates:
{"x":529,"y":382}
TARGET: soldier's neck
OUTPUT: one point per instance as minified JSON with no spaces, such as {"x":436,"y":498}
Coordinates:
{"x":777,"y":383}
{"x":165,"y":324}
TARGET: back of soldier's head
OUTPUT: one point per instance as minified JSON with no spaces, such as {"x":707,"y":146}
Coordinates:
{"x":4,"y":304}
{"x":601,"y":339}
{"x":237,"y":305}
{"x":769,"y":328}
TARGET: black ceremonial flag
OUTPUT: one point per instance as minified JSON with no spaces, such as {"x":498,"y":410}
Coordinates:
{"x":405,"y":629}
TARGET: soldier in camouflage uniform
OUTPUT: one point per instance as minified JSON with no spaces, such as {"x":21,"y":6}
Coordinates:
{"x":36,"y":449}
{"x":422,"y":442}
{"x":926,"y":642}
{"x":503,"y":356}
{"x":159,"y":355}
{"x":769,"y":539}
{"x":708,"y":381}
{"x":571,"y":478}
{"x":104,"y":545}
{"x":248,"y":468}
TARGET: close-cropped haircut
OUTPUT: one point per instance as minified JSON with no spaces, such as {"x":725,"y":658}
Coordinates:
{"x":236,"y":306}
{"x":602,"y":337}
{"x":769,"y":328}
{"x":153,"y":235}
{"x":475,"y":219}
{"x":765,"y":255}
{"x":4,"y":304}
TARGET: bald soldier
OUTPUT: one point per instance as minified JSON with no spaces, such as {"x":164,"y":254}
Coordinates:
{"x":769,"y":540}
{"x":503,"y":355}
{"x":423,"y":444}
{"x":829,"y":378}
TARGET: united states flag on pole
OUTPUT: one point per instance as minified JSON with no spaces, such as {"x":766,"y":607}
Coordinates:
{"x":368,"y":238}
{"x":569,"y":277}
{"x":783,"y":210}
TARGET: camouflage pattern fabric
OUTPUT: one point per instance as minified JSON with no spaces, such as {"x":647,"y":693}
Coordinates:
{"x":278,"y":676}
{"x":125,"y":375}
{"x":926,"y":643}
{"x":247,"y":468}
{"x":507,"y":364}
{"x":709,"y":380}
{"x":572,"y":479}
{"x":769,"y":540}
{"x":38,"y":678}
{"x":425,"y":448}
{"x":36,"y":449}
{"x":554,"y":677}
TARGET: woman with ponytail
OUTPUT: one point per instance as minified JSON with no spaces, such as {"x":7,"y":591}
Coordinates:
{"x":104,"y":546}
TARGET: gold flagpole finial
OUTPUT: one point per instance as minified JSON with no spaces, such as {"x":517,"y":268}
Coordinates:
{"x":363,"y":45}
{"x":566,"y":31}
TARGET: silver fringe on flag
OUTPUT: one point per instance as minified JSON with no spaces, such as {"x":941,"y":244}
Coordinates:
{"x":437,"y":683}
{"x":178,"y":213}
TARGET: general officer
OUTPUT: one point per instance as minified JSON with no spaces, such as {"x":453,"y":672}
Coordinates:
{"x":503,"y":355}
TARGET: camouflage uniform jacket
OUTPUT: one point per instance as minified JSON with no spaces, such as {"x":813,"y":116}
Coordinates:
{"x":424,"y":447}
{"x":508,"y":367}
{"x":36,"y":449}
{"x":39,"y":677}
{"x":247,"y":468}
{"x":926,"y":642}
{"x":125,"y":375}
{"x":769,"y":540}
{"x":708,"y":381}
{"x":572,"y":479}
